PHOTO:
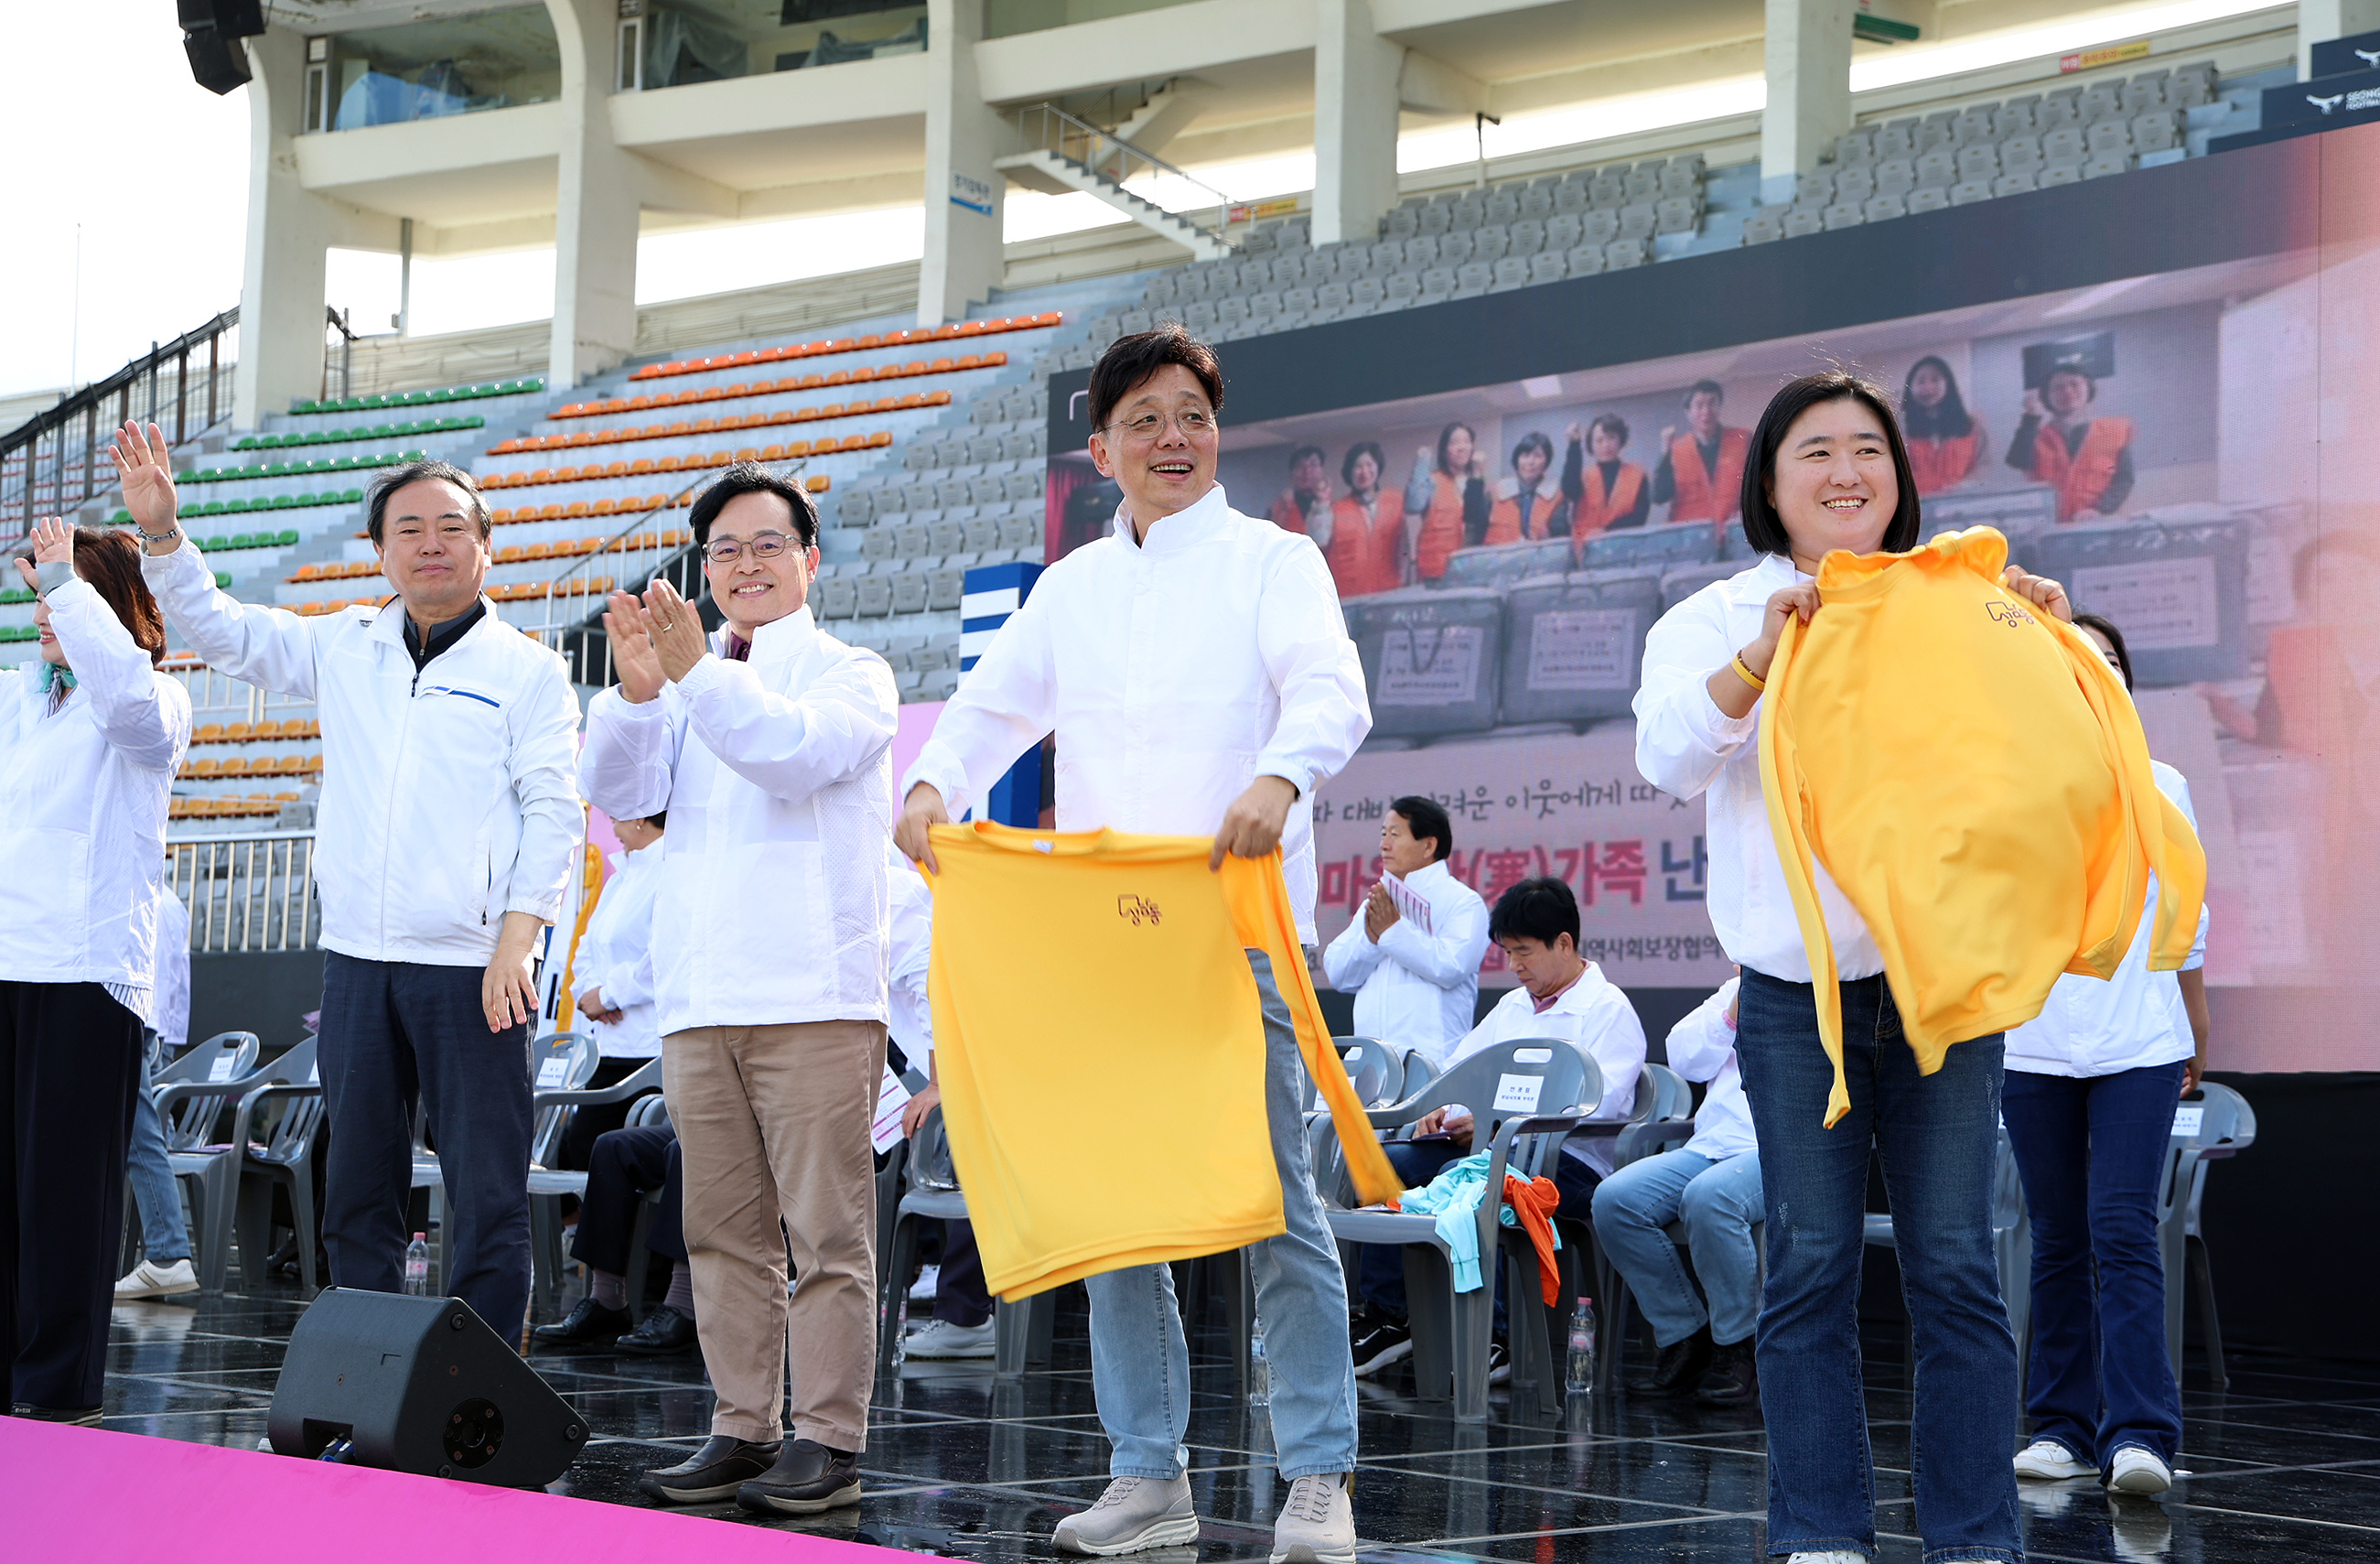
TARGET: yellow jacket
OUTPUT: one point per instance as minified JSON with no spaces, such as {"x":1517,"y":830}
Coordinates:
{"x":1973,"y":776}
{"x":1101,"y":1048}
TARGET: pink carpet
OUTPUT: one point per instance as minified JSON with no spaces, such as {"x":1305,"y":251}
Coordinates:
{"x":96,"y":1497}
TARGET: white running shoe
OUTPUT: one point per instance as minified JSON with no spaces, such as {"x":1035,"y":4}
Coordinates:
{"x":149,"y":1279}
{"x":2047,"y":1461}
{"x":940,"y":1339}
{"x":1317,"y":1522}
{"x":928,"y":1285}
{"x":2139,"y":1472}
{"x":1828,"y":1556}
{"x":1133,"y":1515}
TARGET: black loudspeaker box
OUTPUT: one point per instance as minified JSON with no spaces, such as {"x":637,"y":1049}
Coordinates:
{"x":211,"y":33}
{"x":419,"y":1385}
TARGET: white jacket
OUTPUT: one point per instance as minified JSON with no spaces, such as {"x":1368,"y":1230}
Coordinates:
{"x":1593,"y":1016}
{"x":1174,"y":671}
{"x":913,"y":951}
{"x":2134,"y":1020}
{"x":777,"y":774}
{"x":1702,"y":1048}
{"x":1414,"y":990}
{"x":83,"y":792}
{"x":446,"y":795}
{"x":615,"y":957}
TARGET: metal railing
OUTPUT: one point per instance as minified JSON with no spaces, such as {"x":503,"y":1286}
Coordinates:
{"x":251,"y":891}
{"x":1047,"y":128}
{"x":57,"y":460}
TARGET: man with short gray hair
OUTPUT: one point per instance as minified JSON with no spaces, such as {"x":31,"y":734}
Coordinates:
{"x":447,"y":829}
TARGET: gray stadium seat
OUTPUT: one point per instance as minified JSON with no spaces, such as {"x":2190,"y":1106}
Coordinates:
{"x":1981,"y":160}
{"x":909,"y":591}
{"x":978,"y":535}
{"x":2108,"y":137}
{"x":1454,"y":248}
{"x":2015,"y":117}
{"x":1844,"y":214}
{"x":875,"y":597}
{"x":1366,"y":294}
{"x":1798,"y":222}
{"x":1548,"y":266}
{"x":1585,"y":261}
{"x":944,"y":588}
{"x":1600,"y":227}
{"x":2014,"y":184}
{"x":878,"y":542}
{"x":1815,"y":188}
{"x":1400,"y":290}
{"x":909,"y":541}
{"x":1563,"y":230}
{"x":1881,"y":209}
{"x":1676,"y":214}
{"x":1967,"y":192}
{"x":1937,"y":170}
{"x":1297,"y":305}
{"x":1528,"y":237}
{"x":1855,"y":149}
{"x":1331,"y":298}
{"x":1438,"y":282}
{"x":1513,"y":271}
{"x":1636,"y":220}
{"x":1570,"y":199}
{"x":1927,"y":200}
{"x":1893,"y":143}
{"x":1896,"y":177}
{"x":2159,"y":131}
{"x":1609,"y":191}
{"x":1854,"y":184}
{"x":1474,"y":278}
{"x":1764,"y":226}
{"x":1625,"y":252}
{"x":2065,"y":145}
{"x":2105,"y":163}
{"x":944,"y":538}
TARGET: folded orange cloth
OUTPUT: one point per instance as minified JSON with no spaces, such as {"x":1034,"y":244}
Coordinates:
{"x":1533,"y":1202}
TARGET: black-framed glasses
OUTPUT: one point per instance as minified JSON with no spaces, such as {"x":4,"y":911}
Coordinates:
{"x":767,"y":545}
{"x":1191,"y":422}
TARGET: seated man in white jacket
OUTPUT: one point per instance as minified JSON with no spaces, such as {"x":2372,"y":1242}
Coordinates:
{"x":1414,"y":988}
{"x":446,"y":833}
{"x":1561,"y":995}
{"x":1712,"y":1185}
{"x":612,"y":980}
{"x":771,"y":744}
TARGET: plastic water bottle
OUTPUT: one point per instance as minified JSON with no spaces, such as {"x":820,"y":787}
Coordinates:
{"x":1578,"y":1370}
{"x":1259,"y":1370}
{"x":900,"y":1331}
{"x":417,"y":1267}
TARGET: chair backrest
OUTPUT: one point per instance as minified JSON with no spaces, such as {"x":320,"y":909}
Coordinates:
{"x":1376,"y":1069}
{"x":559,"y":1062}
{"x":1510,"y":1079}
{"x":648,"y":1109}
{"x":929,"y":1157}
{"x":227,"y":1061}
{"x":1662,"y":1095}
{"x":285,"y":1128}
{"x":2220,"y":1117}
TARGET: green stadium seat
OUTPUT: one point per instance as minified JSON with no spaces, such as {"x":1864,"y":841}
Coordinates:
{"x":241,"y":540}
{"x":208,"y":545}
{"x":120,"y":517}
{"x":281,"y":502}
{"x":213,"y":507}
{"x":233,"y":508}
{"x":352,"y":496}
{"x":222,"y":577}
{"x":245,"y":442}
{"x":283,"y":540}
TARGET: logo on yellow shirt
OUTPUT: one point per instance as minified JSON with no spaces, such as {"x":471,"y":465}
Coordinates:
{"x":1137,"y":911}
{"x":2009,"y":613}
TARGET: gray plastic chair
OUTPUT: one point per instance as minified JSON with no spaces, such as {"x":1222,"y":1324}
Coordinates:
{"x":219,"y":1064}
{"x":2012,"y":1248}
{"x":1021,"y":1331}
{"x":220,"y":1168}
{"x":1549,"y":1086}
{"x":646,"y":1111}
{"x":547,"y":1186}
{"x":1376,"y":1068}
{"x":1638,"y":1142}
{"x":2226,"y":1126}
{"x":276,"y":1128}
{"x":578,"y":1055}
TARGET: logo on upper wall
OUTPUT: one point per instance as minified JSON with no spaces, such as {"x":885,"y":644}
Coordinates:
{"x":1137,"y":911}
{"x":2007,"y":613}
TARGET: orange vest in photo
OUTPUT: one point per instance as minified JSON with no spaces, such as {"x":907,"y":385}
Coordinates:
{"x":1285,"y":513}
{"x":1507,"y":525}
{"x":2081,"y":479}
{"x":1366,"y":543}
{"x":1945,"y":464}
{"x":1597,"y":510}
{"x":1441,"y":526}
{"x":1703,"y":496}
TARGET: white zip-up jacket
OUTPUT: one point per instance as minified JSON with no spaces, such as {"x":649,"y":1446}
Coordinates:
{"x":777,"y":774}
{"x":83,"y":789}
{"x":2131,"y":1021}
{"x":1174,"y":671}
{"x":615,"y":957}
{"x":447,"y":799}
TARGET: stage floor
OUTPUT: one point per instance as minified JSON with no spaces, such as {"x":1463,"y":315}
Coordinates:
{"x":2286,"y":1466}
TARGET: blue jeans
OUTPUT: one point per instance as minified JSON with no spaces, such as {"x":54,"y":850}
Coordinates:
{"x":163,"y":1239}
{"x":399,"y":1033}
{"x":1140,"y":1360}
{"x":1718,"y":1203}
{"x":1938,"y":1138}
{"x":2091,"y":1153}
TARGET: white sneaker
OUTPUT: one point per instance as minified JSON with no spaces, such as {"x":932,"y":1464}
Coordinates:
{"x":1317,"y":1524}
{"x":150,"y":1280}
{"x":1828,"y":1556}
{"x":940,"y":1339}
{"x":2138,"y":1471}
{"x":1133,"y":1514}
{"x":2047,"y":1461}
{"x":928,"y":1286}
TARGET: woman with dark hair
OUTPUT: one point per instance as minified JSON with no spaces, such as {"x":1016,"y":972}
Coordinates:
{"x":1828,"y":471}
{"x":1529,"y":506}
{"x":1446,"y":500}
{"x":1944,"y":438}
{"x":1609,"y":492}
{"x":2092,"y":1087}
{"x":89,"y":745}
{"x":1366,"y":550}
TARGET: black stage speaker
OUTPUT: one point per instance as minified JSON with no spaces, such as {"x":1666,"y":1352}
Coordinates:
{"x":419,"y":1385}
{"x":211,"y":33}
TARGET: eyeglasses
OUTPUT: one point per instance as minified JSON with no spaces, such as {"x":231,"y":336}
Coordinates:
{"x":768,"y":545}
{"x":1193,"y":422}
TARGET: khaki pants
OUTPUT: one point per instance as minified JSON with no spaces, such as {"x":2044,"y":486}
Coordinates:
{"x":773,"y":1122}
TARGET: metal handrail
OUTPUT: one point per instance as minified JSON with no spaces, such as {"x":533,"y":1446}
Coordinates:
{"x":267,"y":900}
{"x":1122,"y":155}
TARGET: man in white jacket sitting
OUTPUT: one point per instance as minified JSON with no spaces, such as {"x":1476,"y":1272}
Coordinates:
{"x":1414,"y":987}
{"x":771,"y":744}
{"x":445,"y":835}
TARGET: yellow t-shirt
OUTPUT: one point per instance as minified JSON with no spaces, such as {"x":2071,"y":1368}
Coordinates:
{"x":1973,"y":776}
{"x":1100,"y":1047}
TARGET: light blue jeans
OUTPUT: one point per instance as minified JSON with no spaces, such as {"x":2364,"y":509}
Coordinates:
{"x":1140,"y":1360}
{"x":162,"y":1236}
{"x":1718,"y":1203}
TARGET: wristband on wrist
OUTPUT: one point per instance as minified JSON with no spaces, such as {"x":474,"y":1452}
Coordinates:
{"x":51,"y":574}
{"x":171,"y":535}
{"x":1744,"y":670}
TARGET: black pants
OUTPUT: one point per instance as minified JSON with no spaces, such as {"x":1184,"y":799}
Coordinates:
{"x":960,"y":1297}
{"x":593,"y":1121}
{"x":624,"y":1165}
{"x":399,"y":1033}
{"x":69,"y":1064}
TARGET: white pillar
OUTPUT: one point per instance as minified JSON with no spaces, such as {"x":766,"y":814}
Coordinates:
{"x":280,"y":322}
{"x":1355,"y":121}
{"x":964,"y":194}
{"x":1809,"y":68}
{"x":596,"y":204}
{"x":2319,"y":21}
